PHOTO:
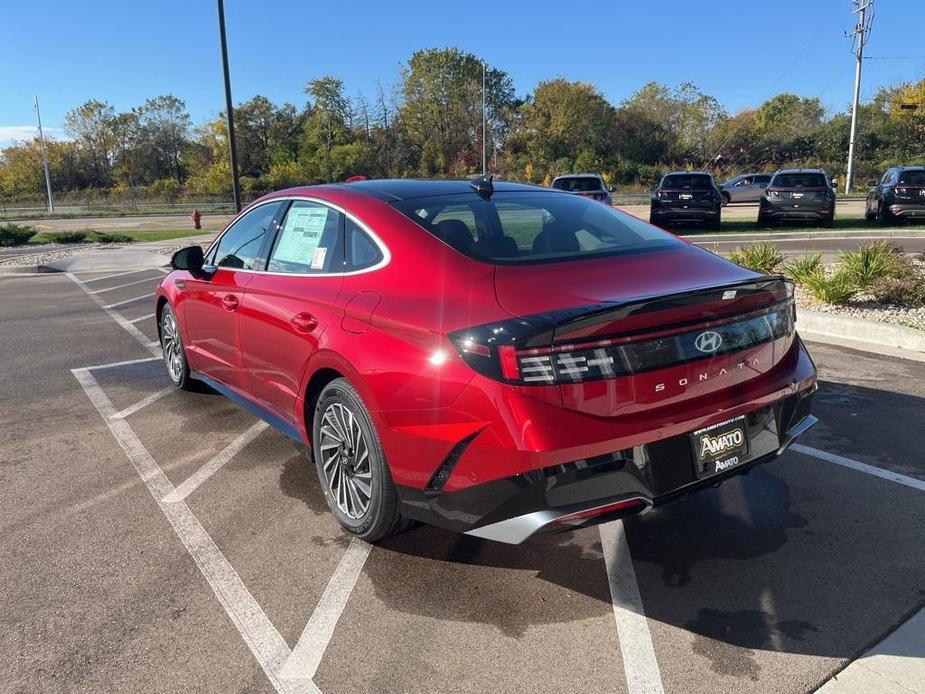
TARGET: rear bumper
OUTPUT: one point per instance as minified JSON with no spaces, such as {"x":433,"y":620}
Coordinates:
{"x":685,"y":214}
{"x":807,"y":212}
{"x":907,"y":211}
{"x":602,"y":488}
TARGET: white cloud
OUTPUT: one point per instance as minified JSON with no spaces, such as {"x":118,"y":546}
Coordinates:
{"x":11,"y":134}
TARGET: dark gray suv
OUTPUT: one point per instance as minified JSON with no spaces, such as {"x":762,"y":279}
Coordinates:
{"x":798,"y":195}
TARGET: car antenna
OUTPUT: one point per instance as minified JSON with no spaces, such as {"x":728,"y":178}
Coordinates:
{"x":483,"y":185}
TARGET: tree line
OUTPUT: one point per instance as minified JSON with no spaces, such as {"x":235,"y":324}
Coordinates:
{"x":429,"y":124}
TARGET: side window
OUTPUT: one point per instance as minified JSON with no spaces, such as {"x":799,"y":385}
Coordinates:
{"x":239,"y":248}
{"x":308,"y":241}
{"x":762,"y":180}
{"x":886,"y":177}
{"x":362,"y":251}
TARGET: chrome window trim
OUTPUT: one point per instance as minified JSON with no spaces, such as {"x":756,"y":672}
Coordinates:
{"x":383,"y":248}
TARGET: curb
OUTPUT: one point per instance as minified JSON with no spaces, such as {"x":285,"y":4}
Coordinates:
{"x":865,"y":334}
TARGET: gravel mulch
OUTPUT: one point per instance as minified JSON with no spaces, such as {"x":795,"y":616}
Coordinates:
{"x":46,"y":253}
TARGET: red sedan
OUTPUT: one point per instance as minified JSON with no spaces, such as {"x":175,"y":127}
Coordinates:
{"x":494,"y":358}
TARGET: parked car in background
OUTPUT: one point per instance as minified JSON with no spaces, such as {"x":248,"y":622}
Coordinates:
{"x":798,"y":195}
{"x":745,"y":188}
{"x":899,"y":195}
{"x":686,"y":196}
{"x":554,"y":362}
{"x":590,"y":185}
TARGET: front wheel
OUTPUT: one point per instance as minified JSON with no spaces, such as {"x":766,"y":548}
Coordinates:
{"x":351,"y":465}
{"x":174,"y":353}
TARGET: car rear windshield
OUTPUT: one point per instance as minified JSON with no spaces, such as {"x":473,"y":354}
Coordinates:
{"x":578,"y":184}
{"x":799,"y":180}
{"x":912,"y":178}
{"x":687,"y":181}
{"x":524,"y":228}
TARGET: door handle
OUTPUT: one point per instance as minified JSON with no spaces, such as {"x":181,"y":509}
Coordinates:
{"x":304,"y":322}
{"x":230,"y":302}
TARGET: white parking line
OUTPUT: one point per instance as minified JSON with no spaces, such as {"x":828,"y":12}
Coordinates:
{"x":152,"y":347}
{"x":118,"y":274}
{"x":306,"y":656}
{"x":144,"y":402}
{"x":860,"y":467}
{"x":127,"y":284}
{"x":187,"y":487}
{"x":639,"y":664}
{"x":129,"y":301}
{"x":147,"y":316}
{"x":127,"y":362}
{"x":263,"y":639}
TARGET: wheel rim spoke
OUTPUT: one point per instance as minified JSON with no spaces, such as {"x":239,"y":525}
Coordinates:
{"x":345,"y":460}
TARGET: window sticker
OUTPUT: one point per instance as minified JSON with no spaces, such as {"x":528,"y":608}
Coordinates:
{"x":318,"y":258}
{"x":301,"y":235}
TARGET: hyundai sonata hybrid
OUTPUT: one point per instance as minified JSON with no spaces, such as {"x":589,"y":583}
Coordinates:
{"x":494,"y":358}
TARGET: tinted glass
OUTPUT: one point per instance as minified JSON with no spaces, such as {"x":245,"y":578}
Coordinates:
{"x":578,"y":184}
{"x":687,"y":181}
{"x":533,"y":227}
{"x":307,"y":242}
{"x":800,"y":180}
{"x":363,"y":252}
{"x":912,"y":178}
{"x":761,"y":180}
{"x":240,"y":246}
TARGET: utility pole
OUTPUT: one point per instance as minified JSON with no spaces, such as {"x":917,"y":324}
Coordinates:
{"x":864,"y":10}
{"x":232,"y":147}
{"x":51,"y":202}
{"x":484,"y":121}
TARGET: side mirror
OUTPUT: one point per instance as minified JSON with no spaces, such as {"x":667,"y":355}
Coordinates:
{"x":611,"y":189}
{"x":189,"y":258}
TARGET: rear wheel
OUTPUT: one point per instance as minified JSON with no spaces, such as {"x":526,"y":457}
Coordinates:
{"x":763,"y":221}
{"x":174,"y":353}
{"x":351,"y":465}
{"x":884,"y":216}
{"x":726,"y":198}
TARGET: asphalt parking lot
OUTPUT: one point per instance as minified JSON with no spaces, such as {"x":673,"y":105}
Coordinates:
{"x":153,"y":540}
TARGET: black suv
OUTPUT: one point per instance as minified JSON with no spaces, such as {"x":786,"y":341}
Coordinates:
{"x":798,"y":194}
{"x":899,"y":195}
{"x":684,"y":196}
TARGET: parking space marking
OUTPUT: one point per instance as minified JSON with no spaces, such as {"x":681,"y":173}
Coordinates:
{"x":127,"y":301}
{"x":146,"y":342}
{"x":147,"y":316}
{"x":192,"y":482}
{"x":263,"y":639}
{"x":127,"y":284}
{"x":306,"y":656}
{"x":860,"y":467}
{"x":117,"y":274}
{"x":144,"y":402}
{"x":639,"y":663}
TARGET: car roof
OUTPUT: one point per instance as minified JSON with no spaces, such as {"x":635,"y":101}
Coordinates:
{"x":913,"y":167}
{"x":688,"y":173}
{"x":578,"y":175}
{"x":396,"y":189}
{"x":790,"y":171}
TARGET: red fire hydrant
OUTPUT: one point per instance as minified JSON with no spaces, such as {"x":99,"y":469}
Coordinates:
{"x":196,"y":217}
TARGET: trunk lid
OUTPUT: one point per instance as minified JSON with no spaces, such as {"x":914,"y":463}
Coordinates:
{"x":701,"y":197}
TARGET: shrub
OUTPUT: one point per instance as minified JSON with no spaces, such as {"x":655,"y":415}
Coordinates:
{"x":762,"y":256}
{"x":872,"y":262}
{"x":15,"y":234}
{"x":800,"y":269}
{"x":70,"y":237}
{"x":904,"y":290}
{"x":113,"y":238}
{"x":837,"y":289}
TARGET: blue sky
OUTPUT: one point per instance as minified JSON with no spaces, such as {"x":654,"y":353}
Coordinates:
{"x":741,"y":52}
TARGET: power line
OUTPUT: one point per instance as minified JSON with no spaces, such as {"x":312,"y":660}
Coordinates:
{"x":864,"y":10}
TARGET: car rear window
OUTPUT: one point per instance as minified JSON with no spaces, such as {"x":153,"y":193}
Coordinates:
{"x":799,"y":180}
{"x":687,"y":181}
{"x":577,"y":184}
{"x":912,"y":178}
{"x":524,"y":228}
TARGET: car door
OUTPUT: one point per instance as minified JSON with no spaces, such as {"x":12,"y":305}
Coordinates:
{"x":288,"y":306}
{"x":743,"y":189}
{"x":210,"y":310}
{"x":761,"y":183}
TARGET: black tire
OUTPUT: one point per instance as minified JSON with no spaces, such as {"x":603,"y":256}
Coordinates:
{"x":174,"y":352}
{"x":868,"y":217}
{"x":829,"y":221}
{"x":716,"y":224}
{"x":762,"y":221}
{"x":726,"y":198}
{"x":342,"y":415}
{"x":884,"y":216}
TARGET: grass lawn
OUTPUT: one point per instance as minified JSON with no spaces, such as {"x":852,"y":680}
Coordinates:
{"x":138,"y":236}
{"x":748,"y":226}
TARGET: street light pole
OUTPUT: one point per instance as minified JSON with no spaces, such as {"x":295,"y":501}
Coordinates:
{"x":484,"y":120}
{"x":861,"y":34}
{"x":51,"y":203}
{"x":232,"y":147}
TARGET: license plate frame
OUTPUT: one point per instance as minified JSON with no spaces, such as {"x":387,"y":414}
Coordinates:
{"x":720,"y":447}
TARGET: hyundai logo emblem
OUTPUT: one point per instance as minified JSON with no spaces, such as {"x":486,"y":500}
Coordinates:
{"x":708,"y":341}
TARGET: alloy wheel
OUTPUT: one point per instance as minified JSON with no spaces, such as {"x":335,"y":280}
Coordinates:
{"x":345,"y":461}
{"x":170,"y":344}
